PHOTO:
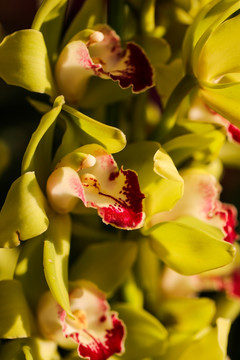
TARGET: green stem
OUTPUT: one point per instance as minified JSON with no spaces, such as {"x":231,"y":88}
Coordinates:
{"x":168,"y":119}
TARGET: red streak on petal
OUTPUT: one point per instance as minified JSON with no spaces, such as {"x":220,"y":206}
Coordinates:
{"x":235,"y":290}
{"x":231,"y":223}
{"x":125,"y":214}
{"x":235,"y":132}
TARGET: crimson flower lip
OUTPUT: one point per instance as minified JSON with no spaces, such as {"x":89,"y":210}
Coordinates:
{"x":100,"y":54}
{"x":95,"y":329}
{"x":97,"y":181}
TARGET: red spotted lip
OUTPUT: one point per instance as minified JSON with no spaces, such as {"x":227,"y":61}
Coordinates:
{"x":126,"y":214}
{"x":113,"y":343}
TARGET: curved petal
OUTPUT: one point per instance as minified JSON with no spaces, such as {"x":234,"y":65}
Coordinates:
{"x":97,"y":330}
{"x":24,"y":61}
{"x":200,"y":200}
{"x":99,"y":184}
{"x":74,"y":68}
{"x":130,"y":66}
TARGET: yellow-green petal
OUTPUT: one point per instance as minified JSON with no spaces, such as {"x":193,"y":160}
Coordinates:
{"x":105,"y":264}
{"x":23,"y":214}
{"x":146,"y":336}
{"x":190,"y":246}
{"x":55,"y":258}
{"x":38,"y":155}
{"x":15,"y":318}
{"x":24,"y":62}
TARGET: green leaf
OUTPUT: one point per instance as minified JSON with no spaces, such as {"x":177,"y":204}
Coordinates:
{"x":24,"y":62}
{"x":113,"y":260}
{"x":15,"y":318}
{"x":8,"y":262}
{"x":38,"y":155}
{"x":146,"y":336}
{"x":55,"y":258}
{"x":189,"y":246}
{"x":91,"y":13}
{"x":50,"y":20}
{"x":82,"y":130}
{"x":23,"y":214}
{"x":186,"y":315}
{"x":29,"y":270}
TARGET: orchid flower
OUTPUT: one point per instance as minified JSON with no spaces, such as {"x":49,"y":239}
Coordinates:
{"x":201,"y":200}
{"x":97,"y":331}
{"x":201,"y":112}
{"x":99,"y":52}
{"x":90,"y":173}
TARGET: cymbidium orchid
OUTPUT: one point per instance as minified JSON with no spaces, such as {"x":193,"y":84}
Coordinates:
{"x":201,"y":200}
{"x":89,"y":173}
{"x":92,"y":51}
{"x":97,"y":331}
{"x":78,"y":175}
{"x":99,"y":52}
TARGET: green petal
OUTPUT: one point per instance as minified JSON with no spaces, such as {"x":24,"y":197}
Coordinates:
{"x":208,"y":19}
{"x":15,"y":319}
{"x":167,"y":78}
{"x":82,"y":130}
{"x":147,"y":269}
{"x":8,"y":262}
{"x":55,"y":258}
{"x":210,"y":64}
{"x":29,"y":270}
{"x":91,"y":13}
{"x":29,"y":349}
{"x":12,"y":350}
{"x":23,"y":214}
{"x":100,"y":93}
{"x":38,"y":155}
{"x":158,"y":50}
{"x":209,"y":345}
{"x":186,"y":315}
{"x":50,"y":20}
{"x":105,"y":264}
{"x":24,"y":62}
{"x":203,"y":146}
{"x":190,"y":246}
{"x":158,"y":177}
{"x":39,"y":349}
{"x":224,"y":99}
{"x":163,"y":194}
{"x":146,"y":336}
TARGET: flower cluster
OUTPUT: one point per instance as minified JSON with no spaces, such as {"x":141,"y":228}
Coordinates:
{"x":119,"y":214}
